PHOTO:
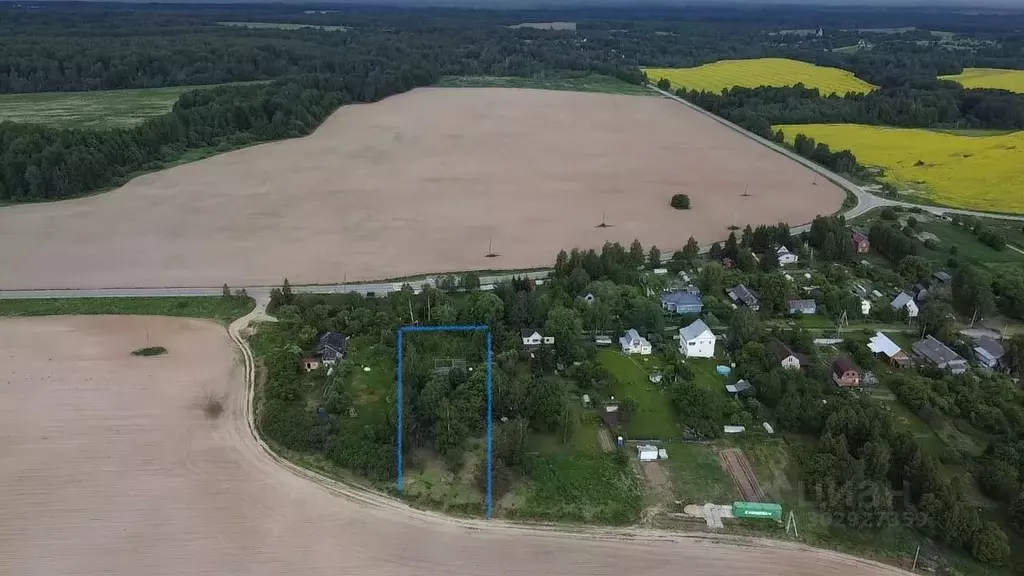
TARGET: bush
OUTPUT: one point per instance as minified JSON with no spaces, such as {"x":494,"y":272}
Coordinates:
{"x":664,"y":84}
{"x":931,"y":244}
{"x":681,"y":202}
{"x":888,"y":214}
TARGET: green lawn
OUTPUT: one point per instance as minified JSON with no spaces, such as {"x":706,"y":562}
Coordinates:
{"x":224,"y":310}
{"x":968,"y":246}
{"x":95,"y":110}
{"x":580,"y":488}
{"x":704,"y":374}
{"x":653,"y":418}
{"x":577,"y":83}
{"x":697,"y":474}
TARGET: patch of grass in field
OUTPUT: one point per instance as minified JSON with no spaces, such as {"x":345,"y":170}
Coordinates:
{"x":653,"y":417}
{"x":776,"y":72}
{"x":575,"y":83}
{"x":697,"y":475}
{"x":282,"y":26}
{"x":968,"y":246}
{"x":977,"y":172}
{"x":150,"y":351}
{"x":997,"y":78}
{"x":224,"y":310}
{"x":93,"y":110}
{"x":581,"y":488}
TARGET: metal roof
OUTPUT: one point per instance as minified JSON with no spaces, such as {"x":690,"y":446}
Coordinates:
{"x":693,"y":330}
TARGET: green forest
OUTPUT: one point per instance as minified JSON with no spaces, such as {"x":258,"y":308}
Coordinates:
{"x":382,"y":52}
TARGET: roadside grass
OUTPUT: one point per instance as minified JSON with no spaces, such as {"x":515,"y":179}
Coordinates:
{"x":93,"y":110}
{"x":968,"y":246}
{"x":697,"y":474}
{"x":653,"y":417}
{"x":571,"y":82}
{"x":580,"y":488}
{"x":218,"y":308}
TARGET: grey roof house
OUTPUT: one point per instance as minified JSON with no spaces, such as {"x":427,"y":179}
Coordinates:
{"x":942,"y":277}
{"x":803,"y":307}
{"x":331,"y":347}
{"x":682,"y":302}
{"x":738,"y":388}
{"x":940,"y":355}
{"x":988,"y":351}
{"x":742,"y":295}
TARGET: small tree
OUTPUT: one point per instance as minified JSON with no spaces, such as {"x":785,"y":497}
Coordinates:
{"x":664,"y":84}
{"x":471,"y":281}
{"x":654,"y":257}
{"x":680,"y":202}
{"x":225,"y":291}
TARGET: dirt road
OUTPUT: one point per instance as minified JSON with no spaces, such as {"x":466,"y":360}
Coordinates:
{"x":109,"y":466}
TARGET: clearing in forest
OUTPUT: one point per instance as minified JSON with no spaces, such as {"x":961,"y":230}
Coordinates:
{"x":974,"y":172}
{"x":776,"y":72}
{"x":97,"y":109}
{"x":422,"y":182}
{"x":1000,"y":79}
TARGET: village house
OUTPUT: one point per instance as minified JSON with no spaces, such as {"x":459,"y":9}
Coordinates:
{"x":861,"y":245}
{"x":682,"y":302}
{"x":905,"y":301}
{"x":634,"y":343}
{"x":784,"y":355}
{"x":742,"y":295}
{"x":845,"y":373}
{"x":989,"y":352}
{"x":697,"y":341}
{"x":803,"y":307}
{"x":881,"y":345}
{"x":785,"y":256}
{"x":532,"y":337}
{"x":942,"y":277}
{"x":330,"y":347}
{"x":939,"y":355}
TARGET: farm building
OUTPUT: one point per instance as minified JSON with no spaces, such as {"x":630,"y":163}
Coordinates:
{"x":942,"y":277}
{"x":905,"y":301}
{"x":803,"y":307}
{"x":989,"y":352}
{"x":697,"y":341}
{"x":740,"y":294}
{"x":633,"y":343}
{"x":939,"y":355}
{"x":882,"y":345}
{"x":845,"y":373}
{"x":682,"y":302}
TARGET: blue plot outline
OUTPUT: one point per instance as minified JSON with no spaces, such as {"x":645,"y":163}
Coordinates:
{"x":490,"y":357}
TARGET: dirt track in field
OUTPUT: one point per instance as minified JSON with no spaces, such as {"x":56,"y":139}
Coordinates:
{"x":110,"y":467}
{"x":739,"y":468}
{"x":417,"y":183}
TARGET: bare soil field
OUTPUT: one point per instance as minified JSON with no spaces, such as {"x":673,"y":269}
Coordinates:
{"x":111,"y":467}
{"x":417,"y":183}
{"x":737,"y":465}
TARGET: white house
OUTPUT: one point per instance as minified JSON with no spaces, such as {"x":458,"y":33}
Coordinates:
{"x":633,"y":343}
{"x":865,"y":307}
{"x":532,"y":337}
{"x":697,"y":341}
{"x":786,"y":257}
{"x":905,"y":300}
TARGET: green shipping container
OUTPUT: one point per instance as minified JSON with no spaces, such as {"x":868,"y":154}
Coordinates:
{"x":758,"y":510}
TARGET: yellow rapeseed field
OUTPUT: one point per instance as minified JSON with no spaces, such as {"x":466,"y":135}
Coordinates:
{"x":1012,"y":80}
{"x":974,"y":172}
{"x":777,"y":72}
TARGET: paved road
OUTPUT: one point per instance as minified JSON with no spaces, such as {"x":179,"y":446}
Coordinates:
{"x":865,"y":199}
{"x":257,"y":292}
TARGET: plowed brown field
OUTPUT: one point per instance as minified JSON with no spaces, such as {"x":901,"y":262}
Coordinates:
{"x":109,"y":467}
{"x":417,"y":183}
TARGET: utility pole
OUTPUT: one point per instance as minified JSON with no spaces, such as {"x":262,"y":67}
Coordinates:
{"x":916,"y":555}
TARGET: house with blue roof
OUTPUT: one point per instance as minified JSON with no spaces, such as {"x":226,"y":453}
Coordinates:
{"x":682,"y":302}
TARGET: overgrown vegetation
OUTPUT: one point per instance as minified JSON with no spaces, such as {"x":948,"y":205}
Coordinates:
{"x":218,"y":308}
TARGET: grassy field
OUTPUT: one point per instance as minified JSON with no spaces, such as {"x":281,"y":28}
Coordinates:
{"x":581,"y":488}
{"x":223,"y":310}
{"x":580,"y":83}
{"x":979,"y":173}
{"x":94,"y":110}
{"x":698,"y":476}
{"x":1012,"y":80}
{"x":282,"y":26}
{"x":653,"y":417}
{"x":717,"y":76}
